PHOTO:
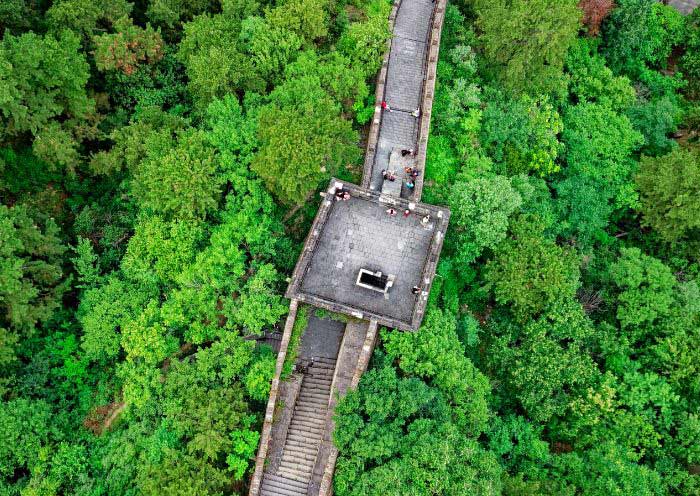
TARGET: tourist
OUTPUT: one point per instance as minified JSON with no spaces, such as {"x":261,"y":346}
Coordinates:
{"x":415,"y":290}
{"x":425,"y":220}
{"x":416,"y":113}
{"x":384,"y":174}
{"x":406,"y":213}
{"x":391,"y":212}
{"x":414,"y":173}
{"x":391,"y":175}
{"x":406,"y":152}
{"x":346,"y":196}
{"x":339,"y":194}
{"x":386,"y":106}
{"x":410,"y":184}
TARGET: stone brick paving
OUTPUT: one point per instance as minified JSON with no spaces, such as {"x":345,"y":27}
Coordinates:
{"x":360,"y":234}
{"x":404,"y":83}
{"x":321,"y":338}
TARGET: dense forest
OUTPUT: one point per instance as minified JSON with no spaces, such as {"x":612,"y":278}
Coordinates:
{"x":158,"y":168}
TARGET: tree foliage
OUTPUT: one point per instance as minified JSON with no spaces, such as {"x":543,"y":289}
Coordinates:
{"x":669,"y":196}
{"x":44,"y":93}
{"x":303,"y":139}
{"x":529,"y":272}
{"x":528,"y":40}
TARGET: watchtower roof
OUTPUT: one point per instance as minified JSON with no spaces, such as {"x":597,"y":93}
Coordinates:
{"x":358,"y":233}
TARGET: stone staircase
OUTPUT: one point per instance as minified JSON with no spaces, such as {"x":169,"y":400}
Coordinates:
{"x":305,"y":433}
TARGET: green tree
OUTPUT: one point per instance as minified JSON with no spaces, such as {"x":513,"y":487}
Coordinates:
{"x":522,"y":133}
{"x":159,"y":251}
{"x":641,"y":32}
{"x":656,"y":119}
{"x":591,"y":81}
{"x":364,"y":43}
{"x":545,"y":363}
{"x":31,"y":270}
{"x":303,"y":138}
{"x":44,"y":81}
{"x":170,"y":13}
{"x":436,"y":355}
{"x":307,"y":19}
{"x":599,"y":143}
{"x":272,"y":48}
{"x":529,"y":272}
{"x":481,"y":209}
{"x":394,"y":433}
{"x":527,"y":40}
{"x":25,"y":432}
{"x":670,"y":196}
{"x":215,"y":64}
{"x":103,"y":313}
{"x":690,"y":62}
{"x":179,"y":181}
{"x":646,"y":289}
{"x":584,"y":211}
{"x":84,"y":16}
{"x":129,"y":47}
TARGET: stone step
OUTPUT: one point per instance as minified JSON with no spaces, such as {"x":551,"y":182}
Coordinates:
{"x":293,"y":473}
{"x":315,"y":388}
{"x":300,"y":472}
{"x":302,"y":421}
{"x":325,"y":360}
{"x":303,"y":453}
{"x":301,"y":445}
{"x":310,"y":430}
{"x":304,"y":437}
{"x":314,"y":423}
{"x":278,"y":491}
{"x":321,"y":369}
{"x":303,"y":463}
{"x":279,"y":480}
{"x":305,"y":434}
{"x":310,"y":411}
{"x":312,"y":396}
{"x":270,"y":490}
{"x":318,"y":382}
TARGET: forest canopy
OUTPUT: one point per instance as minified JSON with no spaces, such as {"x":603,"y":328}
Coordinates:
{"x":159,"y":164}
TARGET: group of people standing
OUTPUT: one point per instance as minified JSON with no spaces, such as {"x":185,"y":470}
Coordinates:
{"x":411,"y":175}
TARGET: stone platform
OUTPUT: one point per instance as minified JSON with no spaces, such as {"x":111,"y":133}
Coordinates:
{"x":359,"y":234}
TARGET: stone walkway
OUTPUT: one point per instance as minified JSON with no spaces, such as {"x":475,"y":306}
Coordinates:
{"x":684,"y":6}
{"x":296,"y":456}
{"x":404,"y":85}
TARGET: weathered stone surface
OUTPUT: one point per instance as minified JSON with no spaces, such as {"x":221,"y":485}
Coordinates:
{"x":321,"y":338}
{"x":684,"y":6}
{"x":359,"y":234}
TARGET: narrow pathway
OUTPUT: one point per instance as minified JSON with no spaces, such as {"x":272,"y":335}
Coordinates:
{"x":305,"y":433}
{"x":404,"y":87}
{"x":297,"y":455}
